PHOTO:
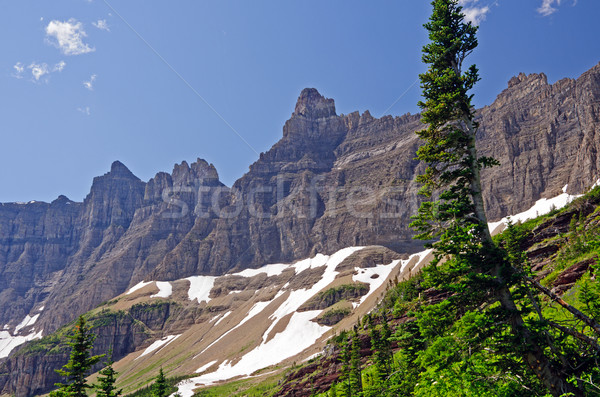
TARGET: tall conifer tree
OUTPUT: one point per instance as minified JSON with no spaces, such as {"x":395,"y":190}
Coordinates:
{"x":457,"y":219}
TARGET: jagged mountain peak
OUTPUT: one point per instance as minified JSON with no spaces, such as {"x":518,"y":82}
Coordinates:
{"x":198,"y":170}
{"x":528,"y":79}
{"x":311,"y":104}
{"x":62,"y":199}
{"x":119,"y":170}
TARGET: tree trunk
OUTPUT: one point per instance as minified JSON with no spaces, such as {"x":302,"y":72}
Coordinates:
{"x":534,"y":356}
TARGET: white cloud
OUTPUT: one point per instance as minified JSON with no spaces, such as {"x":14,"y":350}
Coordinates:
{"x":475,"y":15}
{"x":547,"y":7}
{"x":90,"y":83}
{"x":38,"y":70}
{"x":473,"y":12}
{"x":85,"y":110}
{"x":59,"y":66}
{"x":68,"y":37}
{"x":19,"y":70}
{"x":101,"y":24}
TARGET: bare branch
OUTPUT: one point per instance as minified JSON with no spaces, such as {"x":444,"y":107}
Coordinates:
{"x":578,"y":314}
{"x":575,"y":334}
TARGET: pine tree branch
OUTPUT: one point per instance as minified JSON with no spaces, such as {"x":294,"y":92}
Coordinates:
{"x":575,"y":334}
{"x":578,"y":314}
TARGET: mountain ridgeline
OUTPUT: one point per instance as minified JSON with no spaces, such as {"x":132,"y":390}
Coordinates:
{"x":332,"y":181}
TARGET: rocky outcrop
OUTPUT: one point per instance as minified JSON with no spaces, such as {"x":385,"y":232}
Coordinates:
{"x":331,"y":296}
{"x":332,"y":181}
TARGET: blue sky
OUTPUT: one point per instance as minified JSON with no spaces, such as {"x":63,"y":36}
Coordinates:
{"x":152,"y":83}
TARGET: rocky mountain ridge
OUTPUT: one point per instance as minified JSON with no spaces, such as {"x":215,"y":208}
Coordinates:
{"x":332,"y":181}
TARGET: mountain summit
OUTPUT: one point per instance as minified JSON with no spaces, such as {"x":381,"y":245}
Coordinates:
{"x":311,"y":104}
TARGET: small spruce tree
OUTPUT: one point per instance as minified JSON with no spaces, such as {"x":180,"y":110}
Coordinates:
{"x":106,"y":381}
{"x":80,"y":362}
{"x":355,"y":366}
{"x":159,"y":388}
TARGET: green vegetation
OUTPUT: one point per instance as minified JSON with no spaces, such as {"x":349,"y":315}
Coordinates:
{"x":105,"y":317}
{"x":334,"y":315}
{"x":244,"y":387}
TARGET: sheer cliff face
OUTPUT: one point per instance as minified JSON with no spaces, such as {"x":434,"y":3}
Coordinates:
{"x":336,"y":181}
{"x":332,"y":181}
{"x":545,"y":136}
{"x":67,"y":257}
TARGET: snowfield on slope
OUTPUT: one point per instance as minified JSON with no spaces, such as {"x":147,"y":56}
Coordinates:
{"x":299,"y":334}
{"x":8,"y":342}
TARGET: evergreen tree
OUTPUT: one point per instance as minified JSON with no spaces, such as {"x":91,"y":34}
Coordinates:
{"x":355,"y":366}
{"x":80,"y":362}
{"x":106,"y":380}
{"x":478,"y":271}
{"x":383,"y":351}
{"x":160,"y":387}
{"x":345,"y":376}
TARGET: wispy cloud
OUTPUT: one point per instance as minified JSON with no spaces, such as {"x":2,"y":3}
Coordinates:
{"x":19,"y":70}
{"x":38,"y":70}
{"x":59,"y":66}
{"x":68,"y":37}
{"x":90,"y":83}
{"x":474,"y":12}
{"x":101,"y":24}
{"x":549,"y":7}
{"x":84,"y":110}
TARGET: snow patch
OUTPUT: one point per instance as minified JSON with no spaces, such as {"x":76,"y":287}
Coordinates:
{"x":206,"y":366}
{"x":165,"y":289}
{"x":200,"y":287}
{"x":366,"y":276}
{"x":254,"y":310}
{"x":270,"y":270}
{"x":420,"y":258}
{"x":222,"y":318}
{"x":9,"y":342}
{"x":300,"y":334}
{"x":541,"y":207}
{"x":159,"y":344}
{"x":139,"y":285}
{"x":27,"y":321}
